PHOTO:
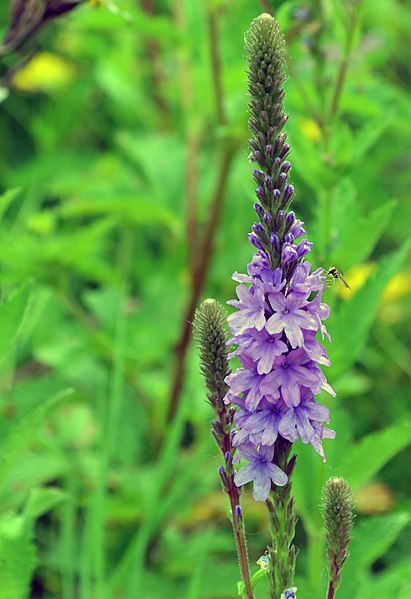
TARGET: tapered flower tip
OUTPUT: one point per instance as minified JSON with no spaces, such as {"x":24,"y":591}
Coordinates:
{"x":209,"y":302}
{"x":265,"y":34}
{"x":211,"y":336}
{"x":209,"y":317}
{"x":337,"y":510}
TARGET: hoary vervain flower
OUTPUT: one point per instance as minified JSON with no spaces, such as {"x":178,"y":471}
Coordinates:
{"x":279,"y":306}
{"x":279,"y":315}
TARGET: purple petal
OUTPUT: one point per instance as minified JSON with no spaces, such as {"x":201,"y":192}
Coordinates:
{"x":278,"y":477}
{"x":262,"y":486}
{"x":245,"y":475}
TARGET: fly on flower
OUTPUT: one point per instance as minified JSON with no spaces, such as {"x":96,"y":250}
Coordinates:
{"x":289,"y":593}
{"x":333,"y":274}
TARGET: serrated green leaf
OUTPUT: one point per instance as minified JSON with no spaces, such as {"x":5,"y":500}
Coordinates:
{"x":366,"y":458}
{"x":351,"y":324}
{"x":30,"y":471}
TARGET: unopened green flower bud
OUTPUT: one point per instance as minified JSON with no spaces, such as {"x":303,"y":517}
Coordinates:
{"x":210,"y":333}
{"x":338,"y":520}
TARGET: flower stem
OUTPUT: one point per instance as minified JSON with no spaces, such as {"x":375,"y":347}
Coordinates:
{"x":201,"y":269}
{"x":239,"y":535}
{"x":331,"y":590}
{"x":282,"y":552}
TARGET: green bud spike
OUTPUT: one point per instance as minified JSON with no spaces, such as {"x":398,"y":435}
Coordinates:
{"x":337,"y":511}
{"x":210,"y":333}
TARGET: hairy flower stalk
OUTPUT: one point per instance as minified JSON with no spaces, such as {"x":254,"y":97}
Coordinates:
{"x":279,"y":312}
{"x":338,"y":521}
{"x":211,"y":336}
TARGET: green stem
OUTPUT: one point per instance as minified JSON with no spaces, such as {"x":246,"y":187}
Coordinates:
{"x":282,"y":552}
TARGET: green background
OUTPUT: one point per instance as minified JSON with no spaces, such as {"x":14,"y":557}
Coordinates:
{"x":127,"y":197}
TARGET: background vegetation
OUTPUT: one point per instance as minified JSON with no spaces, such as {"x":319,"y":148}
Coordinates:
{"x":127,"y":198}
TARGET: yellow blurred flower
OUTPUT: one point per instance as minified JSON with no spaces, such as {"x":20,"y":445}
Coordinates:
{"x":374,"y":498}
{"x":398,"y":286}
{"x":310,"y":129}
{"x":355,"y":277}
{"x":44,"y":72}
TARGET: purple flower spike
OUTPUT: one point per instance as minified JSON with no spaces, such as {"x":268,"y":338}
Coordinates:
{"x":275,"y":331}
{"x":280,"y":315}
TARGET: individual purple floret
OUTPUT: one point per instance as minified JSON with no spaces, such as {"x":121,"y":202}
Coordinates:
{"x":260,"y":470}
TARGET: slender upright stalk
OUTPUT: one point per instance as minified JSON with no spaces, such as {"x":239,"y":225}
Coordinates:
{"x":201,"y":271}
{"x":239,"y":534}
{"x":280,"y":505}
{"x":213,"y":23}
{"x":192,"y":134}
{"x":201,"y":264}
{"x":152,"y":51}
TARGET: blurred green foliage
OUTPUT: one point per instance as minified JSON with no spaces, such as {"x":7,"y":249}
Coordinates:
{"x":123,"y":132}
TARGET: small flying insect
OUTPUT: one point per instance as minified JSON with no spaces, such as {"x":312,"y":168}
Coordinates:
{"x":333,"y":274}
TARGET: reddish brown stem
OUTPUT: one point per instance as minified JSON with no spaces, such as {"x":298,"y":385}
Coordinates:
{"x":152,"y":50}
{"x":267,"y":7}
{"x":212,"y":16}
{"x":200,"y":273}
{"x":331,"y":590}
{"x":192,"y":139}
{"x":239,"y":535}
